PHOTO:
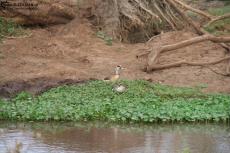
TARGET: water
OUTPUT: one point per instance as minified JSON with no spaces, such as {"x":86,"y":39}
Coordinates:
{"x":106,"y":138}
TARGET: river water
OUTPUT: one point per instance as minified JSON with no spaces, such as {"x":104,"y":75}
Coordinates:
{"x":107,"y":138}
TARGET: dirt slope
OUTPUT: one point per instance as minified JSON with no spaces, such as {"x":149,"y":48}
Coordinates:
{"x":73,"y":51}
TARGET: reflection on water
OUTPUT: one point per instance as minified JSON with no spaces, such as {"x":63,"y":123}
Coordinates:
{"x":105,"y":138}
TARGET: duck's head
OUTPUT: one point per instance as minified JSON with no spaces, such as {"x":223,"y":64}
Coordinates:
{"x":118,"y":69}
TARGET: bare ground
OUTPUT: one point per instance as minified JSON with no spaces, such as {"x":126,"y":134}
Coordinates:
{"x":73,"y":51}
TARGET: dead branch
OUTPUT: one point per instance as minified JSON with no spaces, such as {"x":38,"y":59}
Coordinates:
{"x":153,"y":56}
{"x":178,"y":64}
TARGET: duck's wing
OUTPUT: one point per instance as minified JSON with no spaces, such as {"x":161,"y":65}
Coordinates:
{"x":114,"y":78}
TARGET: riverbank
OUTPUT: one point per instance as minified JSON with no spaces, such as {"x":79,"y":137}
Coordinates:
{"x":142,"y":102}
{"x":77,"y":51}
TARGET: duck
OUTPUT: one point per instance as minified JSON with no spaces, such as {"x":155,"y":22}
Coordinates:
{"x":119,"y":88}
{"x":116,"y":76}
{"x":114,"y":79}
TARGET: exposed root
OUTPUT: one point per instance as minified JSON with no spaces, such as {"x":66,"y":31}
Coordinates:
{"x":154,"y":55}
{"x":213,"y":20}
{"x":187,"y":7}
{"x":228,"y":68}
{"x":143,"y":7}
{"x":138,"y":19}
{"x":178,"y":64}
{"x":218,"y":73}
{"x":186,"y":18}
{"x":164,"y":16}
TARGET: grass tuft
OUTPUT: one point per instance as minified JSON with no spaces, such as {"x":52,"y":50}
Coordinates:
{"x":8,"y":28}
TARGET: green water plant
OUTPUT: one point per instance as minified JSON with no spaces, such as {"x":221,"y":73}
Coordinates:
{"x":142,"y":102}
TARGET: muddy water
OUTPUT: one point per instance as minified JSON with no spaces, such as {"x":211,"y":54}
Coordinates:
{"x":105,"y":138}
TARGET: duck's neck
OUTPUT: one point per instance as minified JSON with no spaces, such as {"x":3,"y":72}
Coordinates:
{"x":117,"y":72}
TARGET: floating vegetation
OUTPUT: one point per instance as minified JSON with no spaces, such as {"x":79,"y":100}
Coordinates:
{"x":142,"y":102}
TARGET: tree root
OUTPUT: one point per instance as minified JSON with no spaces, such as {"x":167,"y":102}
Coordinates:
{"x":154,"y":55}
{"x":218,"y":73}
{"x":198,"y":29}
{"x":215,"y":19}
{"x":181,"y":63}
{"x":138,"y":20}
{"x":187,"y":7}
{"x":186,"y":18}
{"x":170,"y":12}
